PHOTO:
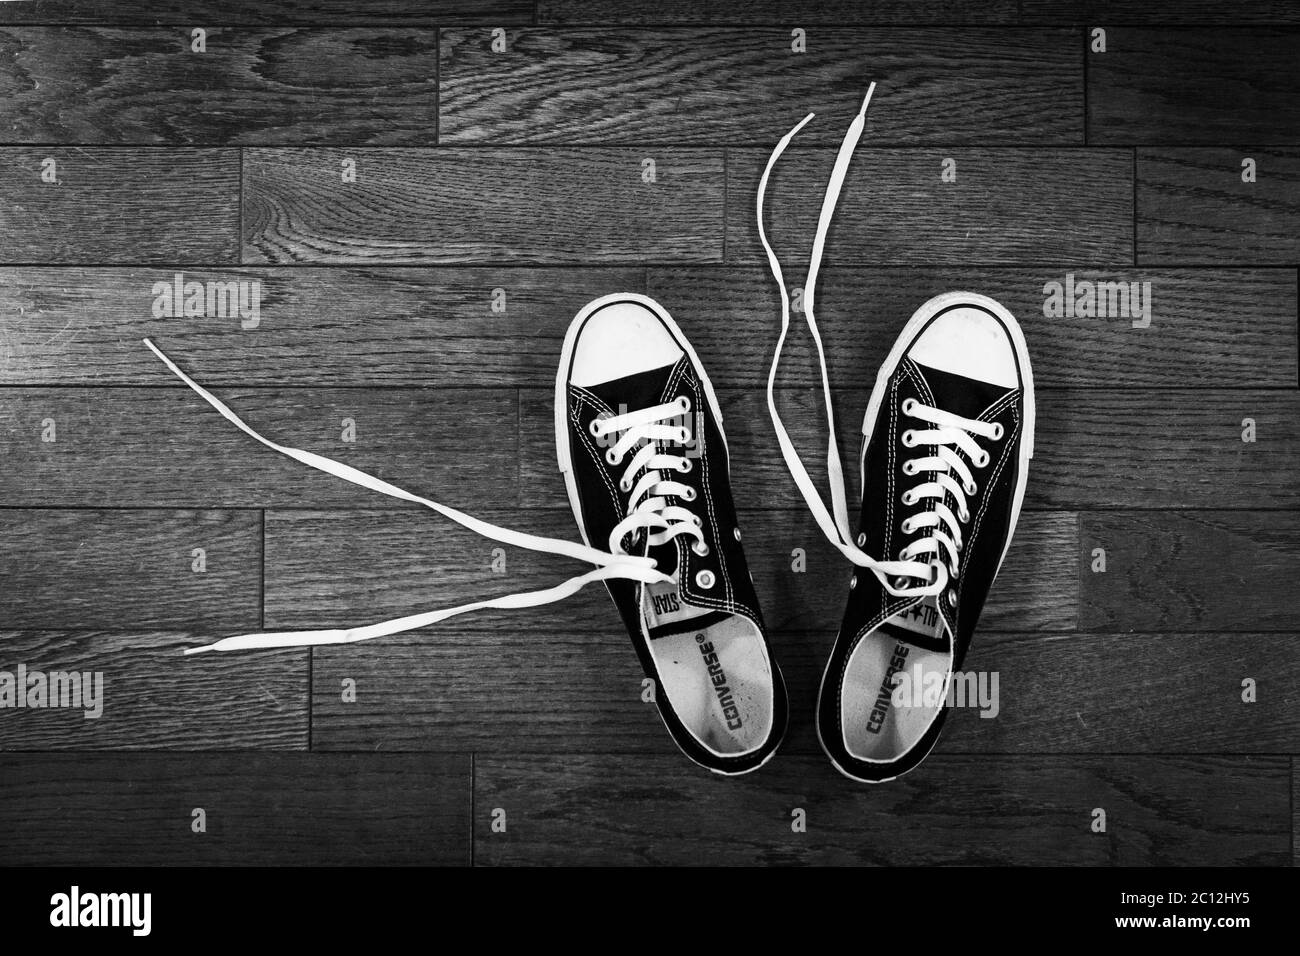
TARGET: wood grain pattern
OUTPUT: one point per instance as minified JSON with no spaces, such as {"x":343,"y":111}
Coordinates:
{"x":704,"y":86}
{"x":164,"y":447}
{"x":1006,"y":207}
{"x":305,"y":12}
{"x":447,"y":205}
{"x":320,"y":325}
{"x":119,"y":205}
{"x":129,"y":569}
{"x":537,"y":687}
{"x":1134,"y":693}
{"x":1150,"y":448}
{"x":1203,"y":86}
{"x":1166,"y":13}
{"x":639,"y":810}
{"x":156,"y":698}
{"x":1193,"y":207}
{"x":775,"y":12}
{"x":332,"y":570}
{"x":1197,"y":569}
{"x":262,"y":809}
{"x":291,"y":85}
{"x":1230,"y":328}
{"x":316,"y":325}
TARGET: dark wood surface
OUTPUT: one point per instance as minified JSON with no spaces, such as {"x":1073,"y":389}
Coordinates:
{"x":294,"y":85}
{"x":522,"y":171}
{"x":709,"y":86}
{"x":261,"y":809}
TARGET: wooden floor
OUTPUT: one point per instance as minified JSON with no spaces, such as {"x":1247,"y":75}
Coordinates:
{"x":522,"y":171}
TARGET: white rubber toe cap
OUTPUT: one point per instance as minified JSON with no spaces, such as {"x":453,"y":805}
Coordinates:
{"x":968,"y":341}
{"x":618,"y":340}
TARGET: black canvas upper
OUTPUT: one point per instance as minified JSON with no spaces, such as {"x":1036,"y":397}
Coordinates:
{"x":602,"y":504}
{"x":882,"y":513}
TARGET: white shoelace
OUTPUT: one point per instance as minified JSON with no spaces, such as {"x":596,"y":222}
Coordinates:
{"x":944,"y":540}
{"x":652,"y":512}
{"x":648,"y":505}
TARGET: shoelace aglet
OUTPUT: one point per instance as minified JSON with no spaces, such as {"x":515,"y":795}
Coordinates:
{"x":867,"y":99}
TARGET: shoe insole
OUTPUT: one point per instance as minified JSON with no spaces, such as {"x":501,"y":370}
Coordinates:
{"x":718,"y":681}
{"x":894,"y":689}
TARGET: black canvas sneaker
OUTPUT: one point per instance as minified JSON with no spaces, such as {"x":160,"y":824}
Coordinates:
{"x":947,"y":439}
{"x":639,"y":438}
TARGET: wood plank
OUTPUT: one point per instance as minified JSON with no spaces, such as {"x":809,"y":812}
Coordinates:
{"x":155,"y":698}
{"x":436,"y":327}
{"x":523,"y":206}
{"x":262,"y":809}
{"x":73,"y":568}
{"x":78,"y":326}
{"x":1212,"y":85}
{"x":775,"y":12}
{"x":305,"y":12}
{"x":534,"y":686}
{"x":711,"y":86}
{"x":1133,"y":693}
{"x":1006,"y":207}
{"x":1232,"y":13}
{"x":335,"y":570}
{"x":164,"y":447}
{"x":1203,"y":570}
{"x":287,"y":85}
{"x":119,"y":205}
{"x":1230,"y":328}
{"x":1193,"y":207}
{"x":636,"y":810}
{"x":1152,"y":448}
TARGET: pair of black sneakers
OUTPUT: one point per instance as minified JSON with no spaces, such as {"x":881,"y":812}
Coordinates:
{"x":947,"y":438}
{"x":946,"y":442}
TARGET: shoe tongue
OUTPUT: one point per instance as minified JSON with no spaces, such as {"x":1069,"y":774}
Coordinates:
{"x":636,"y":391}
{"x":967,"y":397}
{"x":919,"y":625}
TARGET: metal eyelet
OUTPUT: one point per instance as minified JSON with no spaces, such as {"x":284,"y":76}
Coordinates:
{"x":699,"y":522}
{"x":705,"y":579}
{"x":853,"y":582}
{"x":984,"y":460}
{"x":684,"y":436}
{"x":612,"y":458}
{"x":907,"y":526}
{"x":736,"y":532}
{"x":686,"y":466}
{"x":909,"y":468}
{"x":952,"y":597}
{"x":900,"y":583}
{"x":684,"y":403}
{"x":997,"y":435}
{"x":862,"y":538}
{"x":595,"y":428}
{"x":907,"y":498}
{"x":689,"y":494}
{"x":971,"y":488}
{"x":909,"y":405}
{"x":701,"y":549}
{"x":624,"y":485}
{"x":908,"y":438}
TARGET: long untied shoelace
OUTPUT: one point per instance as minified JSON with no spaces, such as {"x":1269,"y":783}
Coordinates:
{"x":944,"y":539}
{"x":644,"y":480}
